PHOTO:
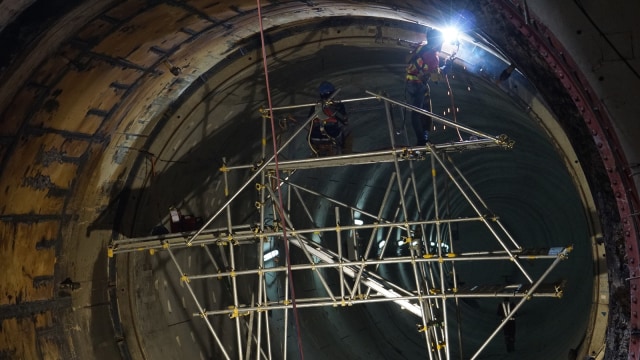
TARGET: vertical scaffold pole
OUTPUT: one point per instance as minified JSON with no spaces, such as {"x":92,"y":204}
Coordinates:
{"x":339,"y":241}
{"x":436,"y":206}
{"x":405,"y":216}
{"x":234,"y":281}
{"x":484,"y":220}
{"x":201,"y":310}
{"x":532,"y":290}
{"x":482,"y":202}
{"x":261,"y":238}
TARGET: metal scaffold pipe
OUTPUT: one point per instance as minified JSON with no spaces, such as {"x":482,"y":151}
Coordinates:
{"x":308,"y":105}
{"x":484,"y":220}
{"x":562,"y":256}
{"x":437,"y":117}
{"x":403,"y":228}
{"x":201,"y":310}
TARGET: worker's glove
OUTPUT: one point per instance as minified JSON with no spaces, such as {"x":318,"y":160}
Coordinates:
{"x":447,"y":68}
{"x":435,"y":77}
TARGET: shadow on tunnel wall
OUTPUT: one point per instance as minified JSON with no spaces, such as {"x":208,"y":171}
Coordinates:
{"x":135,"y":209}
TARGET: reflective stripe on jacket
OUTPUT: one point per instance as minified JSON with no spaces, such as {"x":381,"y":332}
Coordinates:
{"x":424,"y":61}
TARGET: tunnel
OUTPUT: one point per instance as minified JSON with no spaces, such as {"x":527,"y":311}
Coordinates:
{"x":163,"y":198}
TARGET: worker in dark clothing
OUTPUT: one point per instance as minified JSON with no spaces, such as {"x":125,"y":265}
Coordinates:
{"x":423,"y":65}
{"x":509,"y":330}
{"x":330,"y":122}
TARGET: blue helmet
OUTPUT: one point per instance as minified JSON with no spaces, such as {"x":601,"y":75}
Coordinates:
{"x":326,"y":89}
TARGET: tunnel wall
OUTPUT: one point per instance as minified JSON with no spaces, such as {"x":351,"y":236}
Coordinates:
{"x":71,"y":122}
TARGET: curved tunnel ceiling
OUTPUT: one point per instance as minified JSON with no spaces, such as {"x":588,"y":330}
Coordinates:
{"x":125,"y":109}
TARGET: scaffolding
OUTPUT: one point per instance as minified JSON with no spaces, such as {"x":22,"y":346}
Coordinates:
{"x":348,"y":266}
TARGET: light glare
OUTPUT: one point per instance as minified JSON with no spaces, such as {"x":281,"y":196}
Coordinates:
{"x":450,"y":35}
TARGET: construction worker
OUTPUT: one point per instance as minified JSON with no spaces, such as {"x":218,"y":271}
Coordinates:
{"x":422,"y":66}
{"x":509,"y":330}
{"x":329,"y":127}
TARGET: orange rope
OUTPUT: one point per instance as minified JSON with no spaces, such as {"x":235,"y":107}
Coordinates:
{"x":280,"y":211}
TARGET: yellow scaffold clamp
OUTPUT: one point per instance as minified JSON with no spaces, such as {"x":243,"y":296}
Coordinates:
{"x":257,"y":164}
{"x":263,"y":112}
{"x":504,"y":141}
{"x":237,"y":313}
{"x":184,"y":278}
{"x":110,"y":251}
{"x":224,"y":168}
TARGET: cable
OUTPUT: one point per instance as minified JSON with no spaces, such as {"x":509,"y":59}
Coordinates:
{"x":277,"y":174}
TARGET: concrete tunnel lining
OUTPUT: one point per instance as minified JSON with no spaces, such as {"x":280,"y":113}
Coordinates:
{"x":75,"y":145}
{"x":214,"y":111}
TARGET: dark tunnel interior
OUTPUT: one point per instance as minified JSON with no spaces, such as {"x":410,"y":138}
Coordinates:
{"x":146,"y":215}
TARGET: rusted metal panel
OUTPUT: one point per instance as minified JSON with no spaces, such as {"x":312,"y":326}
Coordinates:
{"x":29,"y":193}
{"x":20,"y":109}
{"x":50,"y":71}
{"x":127,"y":9}
{"x":131,"y":40}
{"x":22,"y":262}
{"x":72,"y":104}
{"x":95,"y":31}
{"x":223,"y":9}
{"x":18,"y":339}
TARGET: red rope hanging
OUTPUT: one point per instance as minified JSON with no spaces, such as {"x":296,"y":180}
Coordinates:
{"x":280,"y":211}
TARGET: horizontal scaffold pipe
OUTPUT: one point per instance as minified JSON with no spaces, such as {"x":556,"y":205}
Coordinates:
{"x":396,"y":260}
{"x":327,"y":301}
{"x":250,"y":237}
{"x":375,"y":157}
{"x":503,"y":140}
{"x":308,"y":105}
